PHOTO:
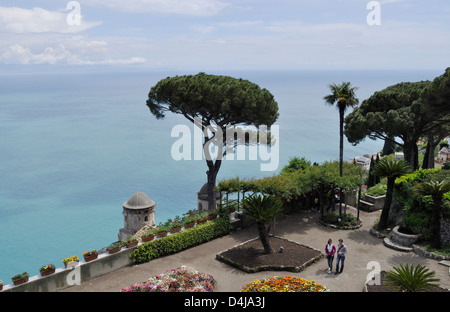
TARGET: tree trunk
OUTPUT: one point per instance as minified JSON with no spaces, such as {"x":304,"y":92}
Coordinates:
{"x":410,"y":154}
{"x":213,"y":169}
{"x":341,"y":139}
{"x":436,"y":222}
{"x":359,"y":200}
{"x":428,"y":160}
{"x":388,"y":147}
{"x":264,"y":237}
{"x":384,"y":218}
{"x":322,"y":199}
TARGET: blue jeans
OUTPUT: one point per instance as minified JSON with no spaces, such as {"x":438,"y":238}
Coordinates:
{"x":341,"y":259}
{"x":330,"y":259}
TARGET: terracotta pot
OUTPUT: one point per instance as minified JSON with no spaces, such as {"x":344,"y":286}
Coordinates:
{"x":20,"y":281}
{"x":71,"y":264}
{"x":114,"y":250}
{"x":175,"y":229}
{"x":213,"y":217}
{"x":90,"y":258}
{"x":45,"y":273}
{"x":189,"y":225}
{"x":132,"y":244}
{"x":201,"y":221}
{"x":161,"y":234}
{"x":148,"y":238}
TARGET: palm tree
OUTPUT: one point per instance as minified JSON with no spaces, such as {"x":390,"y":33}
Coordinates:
{"x":410,"y":279}
{"x":391,"y":169}
{"x":436,"y":190}
{"x":263,"y":209}
{"x":344,"y":96}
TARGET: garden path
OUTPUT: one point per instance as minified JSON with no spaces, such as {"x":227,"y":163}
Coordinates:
{"x":302,"y":227}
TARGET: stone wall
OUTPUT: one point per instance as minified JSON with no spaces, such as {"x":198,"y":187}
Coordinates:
{"x":67,"y":277}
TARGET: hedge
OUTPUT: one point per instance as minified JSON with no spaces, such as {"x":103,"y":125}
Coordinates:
{"x":180,"y":241}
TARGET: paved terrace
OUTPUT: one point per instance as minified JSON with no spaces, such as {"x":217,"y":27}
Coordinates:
{"x":301,"y":227}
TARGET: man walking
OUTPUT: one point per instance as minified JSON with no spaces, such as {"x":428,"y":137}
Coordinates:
{"x":341,"y":252}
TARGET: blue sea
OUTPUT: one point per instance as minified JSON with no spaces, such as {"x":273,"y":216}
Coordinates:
{"x":74,"y":146}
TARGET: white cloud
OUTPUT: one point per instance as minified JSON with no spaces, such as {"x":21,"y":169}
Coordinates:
{"x":38,"y":20}
{"x":39,"y":36}
{"x":75,"y":51}
{"x":18,"y":54}
{"x":129,"y":61}
{"x":185,"y":7}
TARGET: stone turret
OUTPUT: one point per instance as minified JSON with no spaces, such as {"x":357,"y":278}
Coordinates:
{"x":202,"y":198}
{"x":138,"y":211}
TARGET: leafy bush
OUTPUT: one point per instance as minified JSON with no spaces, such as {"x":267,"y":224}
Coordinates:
{"x":333,"y":218}
{"x":377,"y":190}
{"x":181,"y":240}
{"x":417,"y":208}
{"x":418,"y":223}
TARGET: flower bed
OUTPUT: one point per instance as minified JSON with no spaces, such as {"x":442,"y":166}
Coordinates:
{"x":182,"y":279}
{"x":283,"y":284}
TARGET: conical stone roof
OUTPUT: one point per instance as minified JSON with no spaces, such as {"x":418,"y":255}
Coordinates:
{"x":139,"y":200}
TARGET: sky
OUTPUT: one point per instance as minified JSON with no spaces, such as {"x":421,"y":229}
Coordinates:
{"x":226,"y":34}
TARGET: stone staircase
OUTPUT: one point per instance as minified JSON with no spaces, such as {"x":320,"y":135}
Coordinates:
{"x":371,"y":203}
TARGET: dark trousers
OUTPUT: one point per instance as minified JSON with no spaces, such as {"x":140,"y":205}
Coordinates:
{"x":330,"y":259}
{"x":341,"y":259}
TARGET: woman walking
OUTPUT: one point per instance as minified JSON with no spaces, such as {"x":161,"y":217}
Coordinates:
{"x":330,"y":250}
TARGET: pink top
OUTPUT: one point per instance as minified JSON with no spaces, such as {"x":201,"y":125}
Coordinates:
{"x":330,"y":249}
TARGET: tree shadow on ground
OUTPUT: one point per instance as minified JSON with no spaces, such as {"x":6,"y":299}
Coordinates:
{"x":363,"y":237}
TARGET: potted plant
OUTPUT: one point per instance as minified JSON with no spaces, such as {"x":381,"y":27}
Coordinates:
{"x":148,"y":236}
{"x":90,"y":255}
{"x":189,"y":221}
{"x":201,"y":217}
{"x":47,"y":269}
{"x":212,"y":214}
{"x":131,"y":241}
{"x":71,"y":261}
{"x":114,"y":247}
{"x":175,"y":225}
{"x":20,"y":278}
{"x":161,"y":230}
{"x":1,"y":285}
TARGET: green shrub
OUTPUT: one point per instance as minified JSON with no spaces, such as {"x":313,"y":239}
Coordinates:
{"x":412,"y":279}
{"x":180,"y":241}
{"x":418,"y":223}
{"x":333,"y":218}
{"x":377,"y":190}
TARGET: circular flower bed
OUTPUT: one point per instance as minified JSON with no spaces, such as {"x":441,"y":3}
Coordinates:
{"x":182,"y":279}
{"x":283,"y":284}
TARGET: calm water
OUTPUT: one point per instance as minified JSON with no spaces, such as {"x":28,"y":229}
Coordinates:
{"x":74,"y":147}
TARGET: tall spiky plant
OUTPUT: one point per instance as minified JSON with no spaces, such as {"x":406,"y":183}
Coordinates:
{"x":436,"y":190}
{"x":263,"y":209}
{"x":391,"y":169}
{"x":411,"y":279}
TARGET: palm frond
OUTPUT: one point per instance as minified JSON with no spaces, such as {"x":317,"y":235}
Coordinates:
{"x":412,"y":279}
